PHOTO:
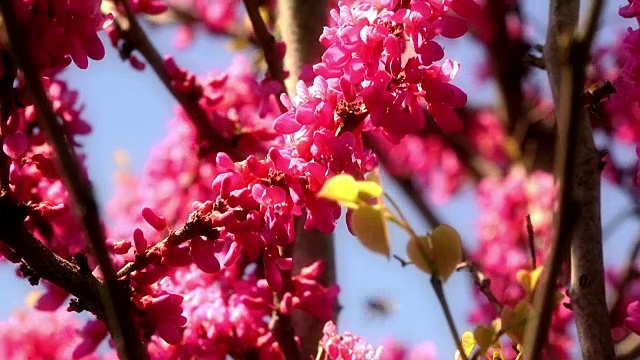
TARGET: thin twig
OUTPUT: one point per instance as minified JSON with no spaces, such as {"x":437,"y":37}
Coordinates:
{"x":198,"y":224}
{"x":483,"y":283}
{"x":436,"y":283}
{"x":268,"y":44}
{"x":532,"y":245}
{"x":135,"y":36}
{"x":281,"y":324}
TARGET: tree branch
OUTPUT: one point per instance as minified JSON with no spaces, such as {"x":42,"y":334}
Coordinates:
{"x":268,"y":44}
{"x":578,"y":166}
{"x":281,"y":325}
{"x":183,"y":15}
{"x":115,"y":300}
{"x":436,"y":283}
{"x":134,"y":35}
{"x":300,"y":24}
{"x":483,"y":283}
{"x":507,"y":54}
{"x":43,"y":261}
{"x":198,"y":224}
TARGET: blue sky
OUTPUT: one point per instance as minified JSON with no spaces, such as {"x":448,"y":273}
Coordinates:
{"x":129,"y":110}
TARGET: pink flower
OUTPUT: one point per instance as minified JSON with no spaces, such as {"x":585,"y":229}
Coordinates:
{"x":632,"y":322}
{"x":36,"y":335}
{"x":346,"y":346}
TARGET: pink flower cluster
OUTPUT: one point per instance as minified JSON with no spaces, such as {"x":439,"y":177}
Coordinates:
{"x":629,"y":81}
{"x":365,"y":76}
{"x":619,"y":64}
{"x":347,"y":346}
{"x":61,"y":31}
{"x":632,"y":322}
{"x":394,"y":350}
{"x":434,"y":165}
{"x":37,"y":335}
{"x":33,"y":178}
{"x":247,"y":208}
{"x":504,"y":244}
{"x":215,"y":15}
{"x":210,"y":294}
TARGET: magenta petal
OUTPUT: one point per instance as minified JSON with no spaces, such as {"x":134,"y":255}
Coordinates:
{"x":336,"y":57}
{"x":632,"y":324}
{"x":305,"y":114}
{"x":446,"y":118}
{"x":15,"y":145}
{"x":467,"y":9}
{"x":203,"y":253}
{"x":453,"y":27}
{"x":169,"y":333}
{"x":286,"y":123}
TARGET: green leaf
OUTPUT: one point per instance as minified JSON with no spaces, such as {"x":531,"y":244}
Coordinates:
{"x":484,"y":337}
{"x":419,"y":253}
{"x":370,"y":226}
{"x":447,"y":250}
{"x":438,"y":253}
{"x":514,"y":320}
{"x":342,"y":189}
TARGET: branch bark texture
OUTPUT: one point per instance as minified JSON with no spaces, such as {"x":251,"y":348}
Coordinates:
{"x":578,"y":168}
{"x":300,"y":24}
{"x":116,"y":302}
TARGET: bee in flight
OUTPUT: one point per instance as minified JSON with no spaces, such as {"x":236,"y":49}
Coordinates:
{"x":379,"y":306}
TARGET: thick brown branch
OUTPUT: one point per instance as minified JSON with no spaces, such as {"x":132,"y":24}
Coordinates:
{"x":578,"y":166}
{"x":300,"y":24}
{"x":43,"y":261}
{"x":134,"y":35}
{"x":507,"y":54}
{"x":116,"y":302}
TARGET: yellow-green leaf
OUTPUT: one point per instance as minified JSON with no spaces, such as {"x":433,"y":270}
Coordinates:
{"x":514,"y":320}
{"x":368,"y":190}
{"x":370,"y":226}
{"x":447,"y":250}
{"x":484,"y":337}
{"x":419,"y":253}
{"x":468,"y":343}
{"x":342,"y":189}
{"x":529,"y":279}
{"x":497,"y":355}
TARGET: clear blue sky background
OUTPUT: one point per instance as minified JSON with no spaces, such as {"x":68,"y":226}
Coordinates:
{"x":129,"y":110}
